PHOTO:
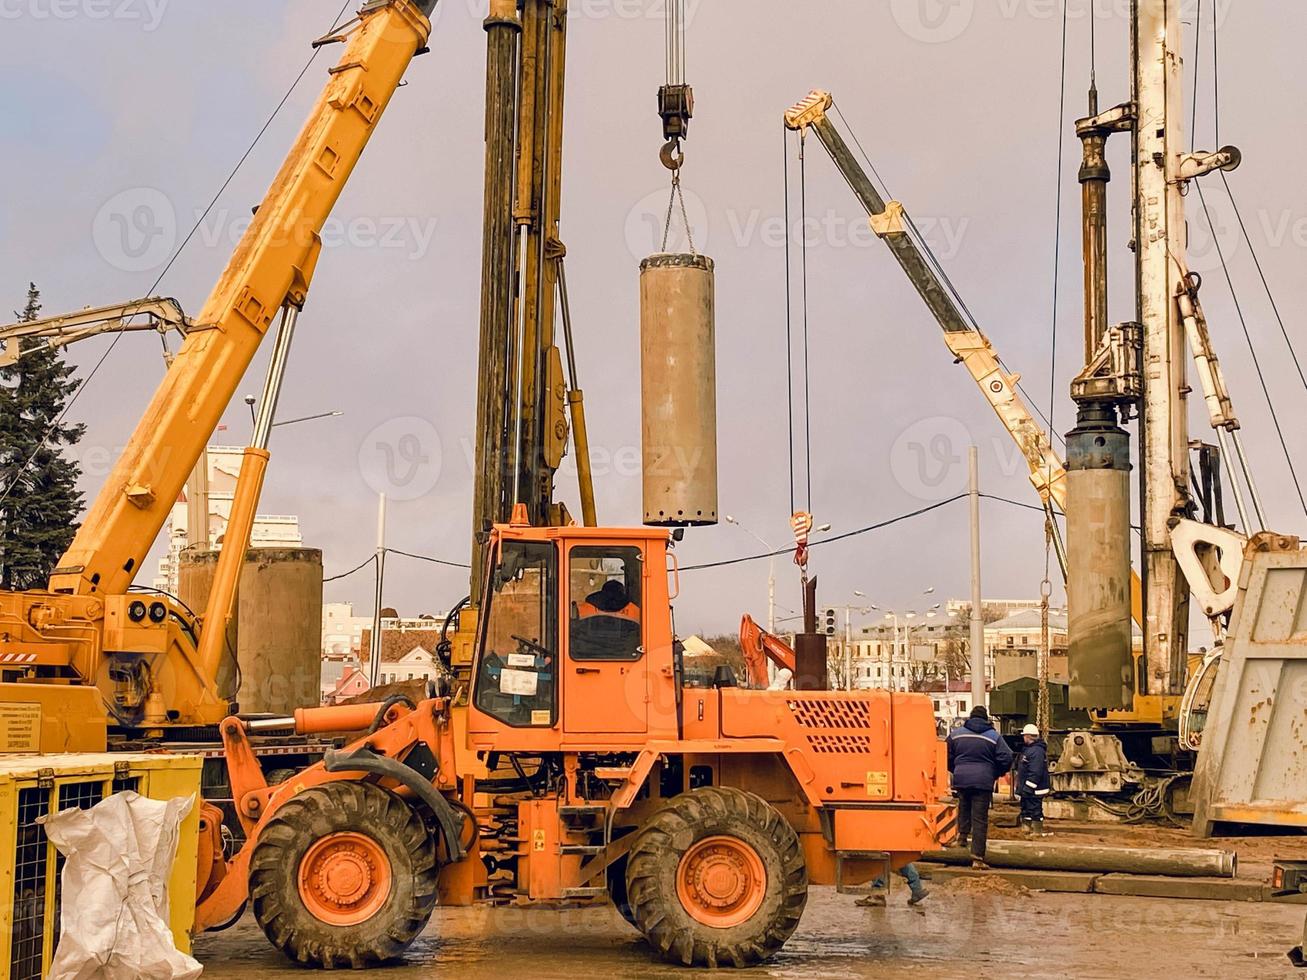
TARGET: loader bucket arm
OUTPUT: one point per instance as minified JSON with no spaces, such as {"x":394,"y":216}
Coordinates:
{"x":759,"y":646}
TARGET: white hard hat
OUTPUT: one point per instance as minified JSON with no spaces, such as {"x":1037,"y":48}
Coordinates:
{"x":1031,"y":730}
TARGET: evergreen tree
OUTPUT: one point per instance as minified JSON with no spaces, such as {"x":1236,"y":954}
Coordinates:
{"x":38,"y":483}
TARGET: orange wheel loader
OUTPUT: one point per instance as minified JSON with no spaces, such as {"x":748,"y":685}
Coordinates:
{"x":582,"y":770}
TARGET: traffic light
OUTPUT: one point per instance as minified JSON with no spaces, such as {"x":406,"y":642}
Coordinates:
{"x":830,"y":622}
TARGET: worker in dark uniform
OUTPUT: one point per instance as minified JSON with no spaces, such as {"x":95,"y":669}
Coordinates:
{"x":1033,"y":782}
{"x":977,"y":757}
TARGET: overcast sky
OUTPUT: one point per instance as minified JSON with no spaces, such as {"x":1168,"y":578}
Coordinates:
{"x":123,"y":117}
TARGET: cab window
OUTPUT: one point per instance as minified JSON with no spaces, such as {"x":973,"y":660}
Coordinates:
{"x":518,"y":672}
{"x":605,"y":591}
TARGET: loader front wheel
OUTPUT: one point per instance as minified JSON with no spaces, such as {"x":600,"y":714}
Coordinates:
{"x":344,"y":875}
{"x":717,"y":878}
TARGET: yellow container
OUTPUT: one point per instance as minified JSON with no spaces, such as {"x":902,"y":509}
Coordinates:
{"x":33,"y":786}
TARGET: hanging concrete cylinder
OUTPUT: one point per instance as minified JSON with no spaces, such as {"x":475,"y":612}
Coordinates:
{"x":678,"y":375}
{"x":1100,"y":653}
{"x":276,"y":633}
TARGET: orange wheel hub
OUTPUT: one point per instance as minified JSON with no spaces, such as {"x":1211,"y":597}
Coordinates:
{"x":721,"y":882}
{"x":344,"y":879}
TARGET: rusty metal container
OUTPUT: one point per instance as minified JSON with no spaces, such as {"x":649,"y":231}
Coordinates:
{"x":678,"y":374}
{"x":276,"y":634}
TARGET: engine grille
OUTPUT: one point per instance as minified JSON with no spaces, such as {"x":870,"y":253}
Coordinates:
{"x":840,"y":744}
{"x":830,"y":713}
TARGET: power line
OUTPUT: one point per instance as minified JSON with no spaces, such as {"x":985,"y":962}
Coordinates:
{"x":879,"y":525}
{"x":824,"y":541}
{"x":357,"y":568}
{"x":427,"y":558}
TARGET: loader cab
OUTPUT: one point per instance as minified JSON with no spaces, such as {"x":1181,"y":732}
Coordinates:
{"x":574,"y":640}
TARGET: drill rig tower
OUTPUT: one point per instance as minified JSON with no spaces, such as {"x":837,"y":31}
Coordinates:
{"x":1138,"y":368}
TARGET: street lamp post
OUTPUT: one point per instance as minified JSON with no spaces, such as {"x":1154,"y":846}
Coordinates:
{"x":848,"y":636}
{"x":899,"y":641}
{"x":309,"y":418}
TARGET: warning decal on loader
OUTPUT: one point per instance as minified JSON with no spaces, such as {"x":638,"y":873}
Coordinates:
{"x":878,"y":784}
{"x":20,"y":727}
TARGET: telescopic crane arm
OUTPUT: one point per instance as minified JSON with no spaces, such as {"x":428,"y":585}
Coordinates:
{"x":160,"y":314}
{"x":971,"y":348}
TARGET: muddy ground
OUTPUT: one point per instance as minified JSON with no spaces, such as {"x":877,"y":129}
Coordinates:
{"x":959,"y":932}
{"x":952,"y":935}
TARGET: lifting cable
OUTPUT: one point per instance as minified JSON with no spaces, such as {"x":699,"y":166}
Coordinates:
{"x":54,"y":426}
{"x":789,"y":329}
{"x":789,"y":314}
{"x":807,"y":361}
{"x":1049,"y":528}
{"x":676,"y":106}
{"x":1275,"y":307}
{"x":1229,"y":279}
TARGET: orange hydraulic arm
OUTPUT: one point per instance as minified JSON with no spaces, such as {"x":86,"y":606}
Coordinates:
{"x":759,"y":646}
{"x":88,"y":621}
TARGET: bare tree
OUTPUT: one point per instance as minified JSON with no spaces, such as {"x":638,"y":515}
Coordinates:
{"x":955,"y":658}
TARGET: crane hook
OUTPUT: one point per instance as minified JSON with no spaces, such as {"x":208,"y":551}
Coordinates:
{"x":672,"y":155}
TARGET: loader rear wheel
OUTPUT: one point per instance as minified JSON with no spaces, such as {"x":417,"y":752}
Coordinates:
{"x":344,"y":875}
{"x":717,"y":878}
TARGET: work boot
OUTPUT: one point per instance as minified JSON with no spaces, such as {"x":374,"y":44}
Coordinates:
{"x":962,"y":843}
{"x":1037,"y":829}
{"x":919,"y":894}
{"x":978,"y":864}
{"x":876,"y":900}
{"x":1027,"y":827}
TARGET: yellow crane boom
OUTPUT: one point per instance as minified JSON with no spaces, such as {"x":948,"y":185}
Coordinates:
{"x":144,"y":655}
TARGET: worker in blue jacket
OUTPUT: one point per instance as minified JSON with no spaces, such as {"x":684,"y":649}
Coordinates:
{"x":1033,"y":782}
{"x":977,"y":757}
